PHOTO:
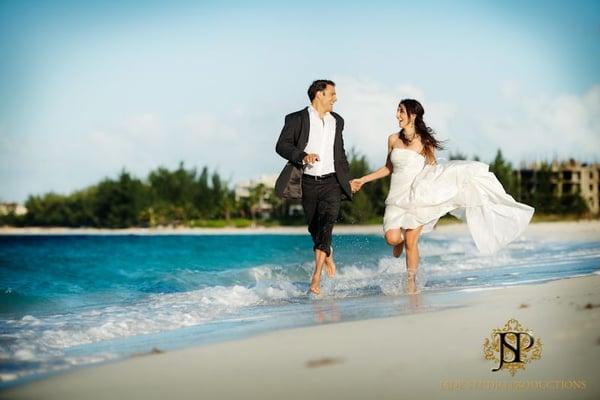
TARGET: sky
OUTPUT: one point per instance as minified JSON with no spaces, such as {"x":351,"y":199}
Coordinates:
{"x":89,"y":89}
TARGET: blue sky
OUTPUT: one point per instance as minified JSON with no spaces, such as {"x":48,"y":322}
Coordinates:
{"x":89,"y":89}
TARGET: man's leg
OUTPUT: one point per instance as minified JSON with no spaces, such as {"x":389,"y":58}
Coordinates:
{"x":330,"y":264}
{"x":315,"y":282}
{"x":327,"y":211}
{"x":310,"y":198}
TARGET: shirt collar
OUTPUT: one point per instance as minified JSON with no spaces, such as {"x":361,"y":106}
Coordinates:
{"x":312,"y":110}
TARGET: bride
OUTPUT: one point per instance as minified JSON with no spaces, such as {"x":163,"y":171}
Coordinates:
{"x":421,"y":191}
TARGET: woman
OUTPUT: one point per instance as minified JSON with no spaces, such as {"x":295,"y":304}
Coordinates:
{"x":421,"y":191}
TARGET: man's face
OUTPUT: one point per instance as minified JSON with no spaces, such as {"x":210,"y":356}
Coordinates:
{"x":327,"y":97}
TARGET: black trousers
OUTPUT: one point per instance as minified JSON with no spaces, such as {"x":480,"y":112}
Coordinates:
{"x":321,"y":202}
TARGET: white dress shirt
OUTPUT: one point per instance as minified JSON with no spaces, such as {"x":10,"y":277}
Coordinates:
{"x":320,"y":141}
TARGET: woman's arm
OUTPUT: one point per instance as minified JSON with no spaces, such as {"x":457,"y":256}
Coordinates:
{"x":378,"y":174}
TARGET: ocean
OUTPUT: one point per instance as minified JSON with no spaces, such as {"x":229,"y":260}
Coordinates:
{"x":72,"y":300}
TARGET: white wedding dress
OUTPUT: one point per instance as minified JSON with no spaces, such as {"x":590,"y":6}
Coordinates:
{"x":421,"y":193}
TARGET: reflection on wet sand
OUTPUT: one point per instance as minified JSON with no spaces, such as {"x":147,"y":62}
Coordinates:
{"x":327,"y":312}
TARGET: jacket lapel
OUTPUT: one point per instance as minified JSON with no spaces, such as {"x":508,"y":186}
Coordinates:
{"x":338,"y":136}
{"x":305,"y":130}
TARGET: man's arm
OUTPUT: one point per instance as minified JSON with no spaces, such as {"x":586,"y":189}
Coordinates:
{"x":285,"y":144}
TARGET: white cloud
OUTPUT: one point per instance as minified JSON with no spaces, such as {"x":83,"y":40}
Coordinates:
{"x":144,"y":142}
{"x":240,"y":144}
{"x":62,"y":162}
{"x":369,"y":111}
{"x":510,"y":88}
{"x":144,"y":126}
{"x":543,"y":127}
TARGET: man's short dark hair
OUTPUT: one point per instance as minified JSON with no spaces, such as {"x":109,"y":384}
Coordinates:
{"x":317,"y":86}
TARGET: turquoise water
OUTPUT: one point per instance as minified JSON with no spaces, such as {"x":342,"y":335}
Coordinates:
{"x":74,"y":300}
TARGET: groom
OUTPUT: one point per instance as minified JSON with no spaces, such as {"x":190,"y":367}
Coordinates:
{"x":317,"y":170}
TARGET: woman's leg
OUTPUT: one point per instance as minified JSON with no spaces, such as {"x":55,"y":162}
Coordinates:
{"x":411,"y":243}
{"x":394,"y":238}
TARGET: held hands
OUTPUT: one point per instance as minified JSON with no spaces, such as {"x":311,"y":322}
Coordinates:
{"x":356,"y":184}
{"x":311,"y":158}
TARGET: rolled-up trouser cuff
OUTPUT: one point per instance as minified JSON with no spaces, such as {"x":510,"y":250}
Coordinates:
{"x":321,"y":203}
{"x":324,"y":248}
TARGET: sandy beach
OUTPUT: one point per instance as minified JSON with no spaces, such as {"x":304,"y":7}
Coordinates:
{"x":584,"y":229}
{"x":421,"y":355}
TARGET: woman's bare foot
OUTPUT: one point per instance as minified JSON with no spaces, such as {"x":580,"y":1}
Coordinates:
{"x":397,"y":250}
{"x":411,"y":281}
{"x":330,"y":265}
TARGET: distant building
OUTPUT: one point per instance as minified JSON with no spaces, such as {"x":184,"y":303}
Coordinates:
{"x":263,"y":207}
{"x":569,"y":177}
{"x":242,"y":189}
{"x":12,"y":208}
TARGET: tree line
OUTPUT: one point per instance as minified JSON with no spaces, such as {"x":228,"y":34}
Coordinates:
{"x":165,"y":197}
{"x":186,"y":197}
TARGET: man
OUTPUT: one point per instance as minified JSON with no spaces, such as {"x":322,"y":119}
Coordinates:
{"x":317,"y":170}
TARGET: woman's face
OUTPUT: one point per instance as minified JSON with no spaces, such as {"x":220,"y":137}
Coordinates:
{"x":403,"y":117}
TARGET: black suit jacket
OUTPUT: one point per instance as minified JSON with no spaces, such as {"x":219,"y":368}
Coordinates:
{"x":292,"y":141}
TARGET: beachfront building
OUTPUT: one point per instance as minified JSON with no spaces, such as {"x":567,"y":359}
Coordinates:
{"x":12,"y":208}
{"x":568,"y":177}
{"x":261,"y":188}
{"x":264,"y":188}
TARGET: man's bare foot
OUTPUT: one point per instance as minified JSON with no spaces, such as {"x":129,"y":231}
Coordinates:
{"x":330,"y":265}
{"x":397,"y":250}
{"x":315,"y":285}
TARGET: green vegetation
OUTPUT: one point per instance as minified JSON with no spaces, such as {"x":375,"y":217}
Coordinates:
{"x":181,"y":197}
{"x":184,"y":197}
{"x":368,"y":204}
{"x":505,"y":174}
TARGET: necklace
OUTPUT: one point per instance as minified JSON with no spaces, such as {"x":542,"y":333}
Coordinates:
{"x":411,"y":138}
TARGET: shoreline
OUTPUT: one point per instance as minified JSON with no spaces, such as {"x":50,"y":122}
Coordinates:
{"x":373,"y":358}
{"x":581,"y":228}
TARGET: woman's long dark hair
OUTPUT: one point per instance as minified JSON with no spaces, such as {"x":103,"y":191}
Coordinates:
{"x":430,"y":143}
